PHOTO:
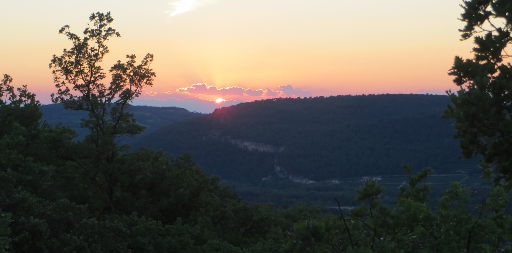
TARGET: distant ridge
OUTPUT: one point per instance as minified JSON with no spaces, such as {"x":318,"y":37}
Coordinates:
{"x":317,"y":138}
{"x":153,"y":118}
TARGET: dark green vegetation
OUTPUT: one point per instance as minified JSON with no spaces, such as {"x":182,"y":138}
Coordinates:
{"x":59,"y":194}
{"x":152,"y":118}
{"x":482,"y":107}
{"x":319,"y":139}
{"x":163,"y":204}
{"x":146,"y":201}
{"x":286,"y":193}
{"x":331,"y":131}
{"x":289,"y":151}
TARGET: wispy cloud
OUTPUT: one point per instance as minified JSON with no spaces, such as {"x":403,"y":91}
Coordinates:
{"x":184,"y":6}
{"x":243,"y":93}
{"x":201,"y":97}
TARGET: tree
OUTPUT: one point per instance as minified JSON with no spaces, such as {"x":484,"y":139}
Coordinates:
{"x":482,"y":107}
{"x":17,"y":106}
{"x":81,"y":82}
{"x":18,"y":97}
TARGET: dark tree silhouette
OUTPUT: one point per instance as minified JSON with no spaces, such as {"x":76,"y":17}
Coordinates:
{"x":482,"y":107}
{"x":18,"y":106}
{"x":82,"y":83}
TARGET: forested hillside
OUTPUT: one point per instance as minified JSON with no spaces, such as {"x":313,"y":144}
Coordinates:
{"x":152,"y":118}
{"x":318,"y":138}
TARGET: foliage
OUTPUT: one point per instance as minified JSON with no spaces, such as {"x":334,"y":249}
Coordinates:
{"x":57,"y":207}
{"x":59,"y":194}
{"x":320,"y":138}
{"x":412,"y":225}
{"x":160,"y":203}
{"x":81,"y":85}
{"x":80,"y":81}
{"x":19,"y":106}
{"x":482,"y":106}
{"x":152,"y":118}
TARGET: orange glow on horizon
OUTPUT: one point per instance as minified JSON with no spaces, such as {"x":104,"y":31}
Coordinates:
{"x":324,"y":49}
{"x":219,"y":100}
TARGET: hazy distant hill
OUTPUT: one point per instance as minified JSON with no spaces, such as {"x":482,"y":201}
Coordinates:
{"x":152,"y":118}
{"x":317,"y":138}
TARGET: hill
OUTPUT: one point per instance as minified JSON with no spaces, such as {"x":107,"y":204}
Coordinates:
{"x":314,"y":139}
{"x":153,"y":118}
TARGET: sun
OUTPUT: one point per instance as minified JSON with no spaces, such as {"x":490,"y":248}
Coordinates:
{"x":219,"y":100}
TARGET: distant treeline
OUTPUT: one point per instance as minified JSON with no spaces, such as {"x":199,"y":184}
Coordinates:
{"x":318,"y":138}
{"x":152,"y":118}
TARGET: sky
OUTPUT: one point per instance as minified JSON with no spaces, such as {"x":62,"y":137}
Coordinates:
{"x":243,"y":50}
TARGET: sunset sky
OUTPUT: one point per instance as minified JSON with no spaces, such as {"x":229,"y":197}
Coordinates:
{"x":241,"y":50}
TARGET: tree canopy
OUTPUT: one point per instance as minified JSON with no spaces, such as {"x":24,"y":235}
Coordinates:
{"x":482,"y":107}
{"x":81,"y":80}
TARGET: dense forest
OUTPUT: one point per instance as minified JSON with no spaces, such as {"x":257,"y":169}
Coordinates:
{"x":321,"y":138}
{"x":59,"y":193}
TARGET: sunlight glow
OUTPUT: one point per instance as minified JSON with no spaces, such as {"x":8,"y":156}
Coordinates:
{"x":219,"y":100}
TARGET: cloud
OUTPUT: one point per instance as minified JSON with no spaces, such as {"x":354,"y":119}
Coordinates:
{"x":290,"y":91}
{"x":184,"y":6}
{"x":254,"y":93}
{"x":183,"y":100}
{"x":201,"y":97}
{"x":202,"y":89}
{"x":271,"y":93}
